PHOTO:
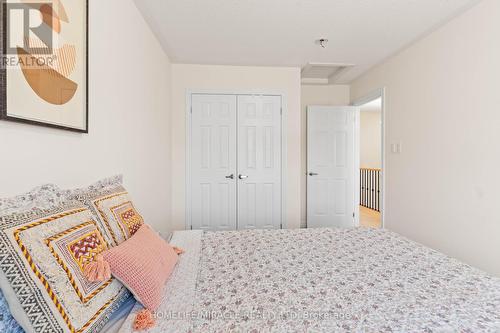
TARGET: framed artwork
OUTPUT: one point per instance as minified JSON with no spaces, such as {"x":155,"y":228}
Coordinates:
{"x":44,"y":67}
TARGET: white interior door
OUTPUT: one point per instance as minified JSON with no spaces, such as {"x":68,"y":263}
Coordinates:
{"x":331,"y":160}
{"x":213,"y":162}
{"x":259,"y":162}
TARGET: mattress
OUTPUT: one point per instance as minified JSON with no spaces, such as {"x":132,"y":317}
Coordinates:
{"x":321,"y":280}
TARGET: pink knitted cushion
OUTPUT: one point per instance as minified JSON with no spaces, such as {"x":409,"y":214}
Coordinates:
{"x":143,"y":263}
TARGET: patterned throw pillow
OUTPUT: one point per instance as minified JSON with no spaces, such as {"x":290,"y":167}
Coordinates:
{"x":39,"y":198}
{"x":111,"y":203}
{"x":42,"y":254}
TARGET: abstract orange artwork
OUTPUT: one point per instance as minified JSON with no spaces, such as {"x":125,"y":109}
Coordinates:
{"x":43,"y":77}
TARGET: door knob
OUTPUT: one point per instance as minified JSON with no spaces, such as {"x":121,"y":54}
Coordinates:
{"x":243,"y":177}
{"x":313,"y":174}
{"x":230,"y":177}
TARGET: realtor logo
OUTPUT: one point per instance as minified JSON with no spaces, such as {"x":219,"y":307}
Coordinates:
{"x":28,"y":25}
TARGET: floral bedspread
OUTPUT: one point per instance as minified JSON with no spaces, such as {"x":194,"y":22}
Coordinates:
{"x":322,"y":280}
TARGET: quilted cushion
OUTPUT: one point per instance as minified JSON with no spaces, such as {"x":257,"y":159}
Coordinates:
{"x":40,"y":197}
{"x":143,"y":264}
{"x":111,"y":203}
{"x":42,"y":254}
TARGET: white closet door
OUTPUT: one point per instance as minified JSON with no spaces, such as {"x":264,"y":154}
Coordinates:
{"x":213,"y":162}
{"x":259,"y":162}
{"x":331,"y":166}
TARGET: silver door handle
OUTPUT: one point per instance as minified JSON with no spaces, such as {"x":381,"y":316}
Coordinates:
{"x":230,"y":177}
{"x":313,"y":174}
{"x":242,"y":177}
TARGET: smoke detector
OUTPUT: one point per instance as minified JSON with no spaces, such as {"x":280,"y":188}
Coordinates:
{"x":323,"y":42}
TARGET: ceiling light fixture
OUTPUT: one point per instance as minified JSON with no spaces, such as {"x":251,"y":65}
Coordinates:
{"x":323,"y":42}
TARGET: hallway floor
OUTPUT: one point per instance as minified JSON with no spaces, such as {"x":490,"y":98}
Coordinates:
{"x":369,"y":218}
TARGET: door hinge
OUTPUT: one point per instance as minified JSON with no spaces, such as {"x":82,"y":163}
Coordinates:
{"x":281,"y":111}
{"x":353,"y":215}
{"x":191,"y":109}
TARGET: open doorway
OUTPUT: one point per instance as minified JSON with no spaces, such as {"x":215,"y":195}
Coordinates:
{"x":371,"y":160}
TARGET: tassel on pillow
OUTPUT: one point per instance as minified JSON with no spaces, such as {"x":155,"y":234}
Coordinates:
{"x":97,"y":270}
{"x":144,"y":320}
{"x":178,"y":250}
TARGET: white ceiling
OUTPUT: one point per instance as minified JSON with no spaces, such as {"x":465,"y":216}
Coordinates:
{"x":282,"y":32}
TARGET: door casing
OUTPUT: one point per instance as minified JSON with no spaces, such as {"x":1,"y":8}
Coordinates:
{"x":189,"y":93}
{"x":375,"y":94}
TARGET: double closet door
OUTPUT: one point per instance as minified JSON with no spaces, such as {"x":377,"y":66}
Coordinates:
{"x":236,"y":171}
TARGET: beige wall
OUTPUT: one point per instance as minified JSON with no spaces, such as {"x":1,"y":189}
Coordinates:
{"x":443,"y":104}
{"x":129,"y":122}
{"x":235,"y":78}
{"x":337,"y":95}
{"x":370,"y":139}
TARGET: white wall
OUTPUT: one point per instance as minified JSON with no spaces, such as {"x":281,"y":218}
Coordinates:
{"x":226,"y":78}
{"x":336,"y":95}
{"x":129,"y":120}
{"x":370,"y":139}
{"x":443,"y":104}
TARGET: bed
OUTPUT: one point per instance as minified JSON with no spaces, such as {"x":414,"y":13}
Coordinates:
{"x":321,"y":280}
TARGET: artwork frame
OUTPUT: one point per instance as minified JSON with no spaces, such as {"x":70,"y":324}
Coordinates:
{"x":4,"y":109}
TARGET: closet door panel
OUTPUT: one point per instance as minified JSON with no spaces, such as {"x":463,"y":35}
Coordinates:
{"x":259,"y":162}
{"x":213,"y":161}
